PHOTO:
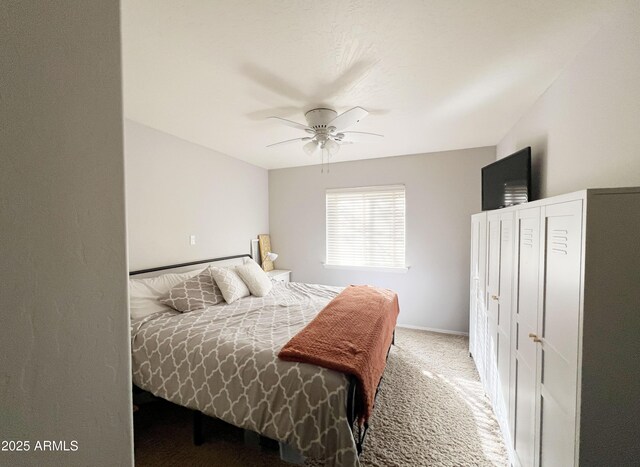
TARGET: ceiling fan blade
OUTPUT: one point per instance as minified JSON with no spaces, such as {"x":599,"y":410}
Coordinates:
{"x":310,"y":147}
{"x":348,"y":118}
{"x":274,"y":83}
{"x":293,"y":124}
{"x":357,"y":136}
{"x":295,"y":140}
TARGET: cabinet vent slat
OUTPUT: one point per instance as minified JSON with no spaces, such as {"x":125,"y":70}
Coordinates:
{"x":560,"y":241}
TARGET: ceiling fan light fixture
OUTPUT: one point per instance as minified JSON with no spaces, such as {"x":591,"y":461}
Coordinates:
{"x":332,"y":147}
{"x":310,"y":147}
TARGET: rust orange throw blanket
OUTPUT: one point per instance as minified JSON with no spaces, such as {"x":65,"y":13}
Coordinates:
{"x":352,"y":334}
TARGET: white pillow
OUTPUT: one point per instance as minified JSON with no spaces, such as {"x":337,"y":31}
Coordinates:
{"x":230,"y":284}
{"x":256,"y":279}
{"x":144,"y":293}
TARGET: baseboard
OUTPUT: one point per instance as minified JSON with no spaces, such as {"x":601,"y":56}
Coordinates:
{"x":441,"y":331}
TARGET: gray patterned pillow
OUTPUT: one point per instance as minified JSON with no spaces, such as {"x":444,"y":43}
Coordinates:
{"x":195,"y":293}
{"x":230,"y":284}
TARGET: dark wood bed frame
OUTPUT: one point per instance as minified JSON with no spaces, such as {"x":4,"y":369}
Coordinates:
{"x":353,"y":411}
{"x":191,"y":263}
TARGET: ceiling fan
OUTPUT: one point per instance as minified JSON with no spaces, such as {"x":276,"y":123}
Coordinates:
{"x":326,"y":130}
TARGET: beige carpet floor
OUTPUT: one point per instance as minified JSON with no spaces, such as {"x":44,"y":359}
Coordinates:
{"x":430,"y":411}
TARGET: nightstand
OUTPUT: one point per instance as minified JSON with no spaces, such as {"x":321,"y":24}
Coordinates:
{"x":282,"y":275}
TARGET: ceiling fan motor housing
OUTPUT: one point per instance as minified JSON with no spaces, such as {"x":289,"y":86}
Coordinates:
{"x":318,"y":119}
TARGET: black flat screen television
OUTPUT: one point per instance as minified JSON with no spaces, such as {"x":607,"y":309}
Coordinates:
{"x":507,"y":182}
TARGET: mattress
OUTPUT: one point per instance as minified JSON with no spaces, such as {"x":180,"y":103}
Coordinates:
{"x":223,"y":362}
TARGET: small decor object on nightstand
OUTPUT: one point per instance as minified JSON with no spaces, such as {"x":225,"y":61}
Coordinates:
{"x":265,"y":249}
{"x":271,"y":256}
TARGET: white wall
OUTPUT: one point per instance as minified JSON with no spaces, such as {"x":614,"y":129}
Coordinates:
{"x":442,"y":190}
{"x":64,"y":336}
{"x":585,"y":130}
{"x":176,"y":189}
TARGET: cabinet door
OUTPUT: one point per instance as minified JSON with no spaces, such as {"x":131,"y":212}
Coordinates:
{"x":525,"y":322}
{"x":503,"y":318}
{"x":478,"y":326}
{"x":493,"y":293}
{"x":473,"y":283}
{"x":559,"y":322}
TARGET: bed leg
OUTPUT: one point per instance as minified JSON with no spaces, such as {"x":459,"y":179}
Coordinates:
{"x":198,"y":435}
{"x":251,"y":439}
{"x":290,"y":455}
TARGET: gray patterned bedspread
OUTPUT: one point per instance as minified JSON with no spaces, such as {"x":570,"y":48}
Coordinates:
{"x":223,"y":362}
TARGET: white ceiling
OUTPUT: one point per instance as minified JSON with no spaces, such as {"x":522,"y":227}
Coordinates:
{"x":435,"y":75}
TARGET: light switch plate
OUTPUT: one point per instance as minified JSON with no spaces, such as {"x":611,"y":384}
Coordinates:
{"x":192,"y":239}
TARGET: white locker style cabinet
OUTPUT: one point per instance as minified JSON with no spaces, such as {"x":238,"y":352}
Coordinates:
{"x":569,"y":281}
{"x":498,"y":303}
{"x":477,"y":296}
{"x":525,"y":324}
{"x":557,"y":332}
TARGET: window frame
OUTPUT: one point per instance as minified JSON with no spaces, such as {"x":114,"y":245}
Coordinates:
{"x":367,"y":189}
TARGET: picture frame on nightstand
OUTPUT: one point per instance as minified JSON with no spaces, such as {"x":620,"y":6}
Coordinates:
{"x":265,"y":249}
{"x":255,"y":251}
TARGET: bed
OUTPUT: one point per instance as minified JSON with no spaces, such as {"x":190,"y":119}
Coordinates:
{"x":223,"y":361}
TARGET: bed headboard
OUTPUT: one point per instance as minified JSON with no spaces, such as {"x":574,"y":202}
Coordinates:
{"x":186,"y":267}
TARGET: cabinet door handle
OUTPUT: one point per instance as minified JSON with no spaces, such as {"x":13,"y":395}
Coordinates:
{"x":495,"y":297}
{"x":534,"y":337}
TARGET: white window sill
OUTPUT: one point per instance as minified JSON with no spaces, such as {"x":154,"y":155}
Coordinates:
{"x":367,"y":268}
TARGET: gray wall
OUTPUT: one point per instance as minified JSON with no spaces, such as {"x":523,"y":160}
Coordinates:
{"x":64,"y":345}
{"x":585,"y":130}
{"x":176,"y":189}
{"x":442,"y":190}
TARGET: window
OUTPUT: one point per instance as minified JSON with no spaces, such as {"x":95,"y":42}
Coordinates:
{"x":366,"y":227}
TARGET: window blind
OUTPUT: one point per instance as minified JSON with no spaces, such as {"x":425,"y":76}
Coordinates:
{"x":366,"y":226}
